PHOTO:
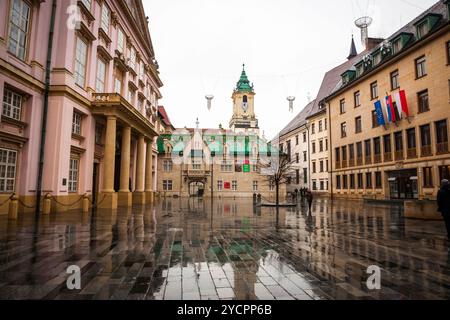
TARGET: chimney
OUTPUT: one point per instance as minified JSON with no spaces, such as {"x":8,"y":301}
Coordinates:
{"x":371,"y":43}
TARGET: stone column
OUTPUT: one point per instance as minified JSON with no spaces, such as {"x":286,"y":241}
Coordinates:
{"x":108,"y":198}
{"x":139,"y":194}
{"x":125,"y":197}
{"x":149,"y":171}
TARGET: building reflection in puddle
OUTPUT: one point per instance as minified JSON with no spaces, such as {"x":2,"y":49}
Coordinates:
{"x":226,"y":249}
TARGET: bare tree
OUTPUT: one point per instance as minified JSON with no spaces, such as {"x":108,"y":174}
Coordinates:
{"x":278,"y":171}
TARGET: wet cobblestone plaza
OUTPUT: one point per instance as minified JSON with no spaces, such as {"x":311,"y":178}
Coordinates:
{"x":180,"y":250}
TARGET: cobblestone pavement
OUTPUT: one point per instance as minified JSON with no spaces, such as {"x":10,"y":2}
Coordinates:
{"x":179,"y":250}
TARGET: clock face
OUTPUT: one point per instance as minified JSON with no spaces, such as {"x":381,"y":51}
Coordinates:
{"x":245,"y":106}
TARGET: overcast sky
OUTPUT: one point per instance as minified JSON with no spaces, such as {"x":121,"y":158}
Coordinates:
{"x":287,"y":46}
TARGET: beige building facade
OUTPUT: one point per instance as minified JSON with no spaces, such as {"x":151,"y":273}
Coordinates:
{"x":405,"y":159}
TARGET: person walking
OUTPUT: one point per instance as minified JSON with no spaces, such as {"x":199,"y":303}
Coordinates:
{"x":443,"y":199}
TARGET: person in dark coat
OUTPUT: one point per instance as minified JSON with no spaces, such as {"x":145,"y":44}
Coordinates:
{"x":443,"y":200}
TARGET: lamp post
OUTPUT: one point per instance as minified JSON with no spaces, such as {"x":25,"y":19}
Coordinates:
{"x":309,"y":156}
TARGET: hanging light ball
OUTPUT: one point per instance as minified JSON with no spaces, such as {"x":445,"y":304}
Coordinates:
{"x":209,"y":99}
{"x":291,"y":100}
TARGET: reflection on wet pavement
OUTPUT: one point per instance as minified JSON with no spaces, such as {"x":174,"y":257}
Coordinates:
{"x":179,"y":250}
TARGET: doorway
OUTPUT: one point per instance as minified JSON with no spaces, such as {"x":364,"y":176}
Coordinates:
{"x":403,"y":185}
{"x":196,"y":189}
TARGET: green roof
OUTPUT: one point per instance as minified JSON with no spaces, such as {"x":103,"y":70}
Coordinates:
{"x":243,"y":84}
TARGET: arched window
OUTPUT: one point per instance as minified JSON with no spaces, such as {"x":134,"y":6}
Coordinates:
{"x":245,"y":99}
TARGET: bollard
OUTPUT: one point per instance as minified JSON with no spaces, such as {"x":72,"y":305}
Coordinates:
{"x":47,"y":204}
{"x":13,"y":208}
{"x":85,"y":203}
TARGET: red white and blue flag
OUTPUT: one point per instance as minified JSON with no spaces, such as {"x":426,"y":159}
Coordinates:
{"x":390,"y":109}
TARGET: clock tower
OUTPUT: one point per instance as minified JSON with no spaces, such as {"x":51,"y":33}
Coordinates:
{"x":244,"y":118}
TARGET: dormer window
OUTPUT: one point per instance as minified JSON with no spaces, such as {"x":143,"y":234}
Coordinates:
{"x":359,"y":70}
{"x":377,"y":58}
{"x":422,"y":29}
{"x":397,"y":46}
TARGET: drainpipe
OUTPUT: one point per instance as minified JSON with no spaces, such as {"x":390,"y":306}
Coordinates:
{"x":330,"y":152}
{"x":45,"y":109}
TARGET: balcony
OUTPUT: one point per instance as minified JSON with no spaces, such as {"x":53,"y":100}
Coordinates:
{"x":442,"y":148}
{"x":412,"y":153}
{"x":351,"y":162}
{"x":426,"y":151}
{"x":387,"y":156}
{"x":338,"y":164}
{"x":344,"y":163}
{"x":399,"y":156}
{"x":368,"y":160}
{"x":377,"y":158}
{"x":359,"y":161}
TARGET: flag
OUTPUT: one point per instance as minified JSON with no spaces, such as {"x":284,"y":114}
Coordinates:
{"x":402,"y":103}
{"x":390,"y":107}
{"x":398,"y":105}
{"x":388,"y":112}
{"x":379,"y":112}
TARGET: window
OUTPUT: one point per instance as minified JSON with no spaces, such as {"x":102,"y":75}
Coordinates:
{"x":352,"y":181}
{"x":378,"y":180}
{"x":313,"y":147}
{"x":80,"y":62}
{"x":360,"y":181}
{"x":321,"y":166}
{"x":343,"y":130}
{"x":131,"y":95}
{"x":320,"y":126}
{"x":314,"y":167}
{"x":358,"y":125}
{"x":368,"y":180}
{"x":337,"y":153}
{"x":226,"y":166}
{"x":357,"y":99}
{"x":387,"y":143}
{"x":297,"y":158}
{"x":444,"y":172}
{"x":421,"y":70}
{"x":133,"y":58}
{"x":296,"y":140}
{"x":377,"y":146}
{"x":359,"y":150}
{"x":375,"y":123}
{"x":167,"y":185}
{"x":101,"y":74}
{"x":18,"y":28}
{"x":368,"y":148}
{"x":395,"y":84}
{"x":342,"y":106}
{"x":219,"y":185}
{"x":255,"y":185}
{"x":422,"y":29}
{"x":305,"y":175}
{"x":398,"y":137}
{"x":411,"y":138}
{"x":73,"y":175}
{"x":313,"y":128}
{"x":120,"y":41}
{"x":305,"y":156}
{"x":344,"y":154}
{"x":447,"y":45}
{"x":167,"y":166}
{"x":12,"y":104}
{"x":234,"y":185}
{"x":425,"y":140}
{"x":304,"y":137}
{"x":76,"y":123}
{"x":314,"y":185}
{"x":345,"y":181}
{"x":8,"y":162}
{"x":325,"y":124}
{"x":428,"y":177}
{"x":98,"y":134}
{"x":397,"y":46}
{"x":377,"y":58}
{"x":297,"y":176}
{"x":351,"y":152}
{"x":338,"y":182}
{"x":441,"y":136}
{"x":374,"y":90}
{"x":321,"y":146}
{"x":87,"y":4}
{"x":118,"y":86}
{"x":423,"y":102}
{"x":105,"y":18}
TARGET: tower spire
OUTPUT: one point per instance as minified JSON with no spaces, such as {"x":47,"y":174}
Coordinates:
{"x":243,"y":84}
{"x":353,"y":52}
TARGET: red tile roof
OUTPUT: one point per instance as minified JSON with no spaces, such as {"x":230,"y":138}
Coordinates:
{"x":164,"y":116}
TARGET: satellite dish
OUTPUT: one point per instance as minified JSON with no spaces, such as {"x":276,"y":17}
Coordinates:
{"x":364,"y":23}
